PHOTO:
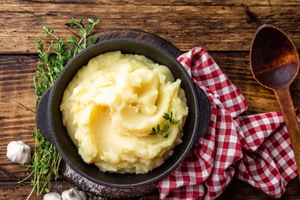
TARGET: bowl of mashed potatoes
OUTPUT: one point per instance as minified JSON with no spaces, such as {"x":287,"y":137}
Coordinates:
{"x":123,"y":113}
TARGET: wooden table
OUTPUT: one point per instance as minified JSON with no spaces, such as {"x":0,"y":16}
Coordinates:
{"x":224,"y":28}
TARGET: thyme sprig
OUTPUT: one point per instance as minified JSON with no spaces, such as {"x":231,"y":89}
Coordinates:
{"x":46,"y":159}
{"x":164,"y":128}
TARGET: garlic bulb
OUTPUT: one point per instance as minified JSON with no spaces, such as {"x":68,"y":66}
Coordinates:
{"x":52,"y":196}
{"x":73,"y":194}
{"x":18,"y":152}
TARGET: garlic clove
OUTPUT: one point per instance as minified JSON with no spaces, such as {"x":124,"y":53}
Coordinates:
{"x":18,"y":152}
{"x":73,"y":194}
{"x":52,"y":196}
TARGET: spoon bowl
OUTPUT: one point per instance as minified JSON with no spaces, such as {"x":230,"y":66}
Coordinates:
{"x":275,"y":64}
{"x":274,"y":58}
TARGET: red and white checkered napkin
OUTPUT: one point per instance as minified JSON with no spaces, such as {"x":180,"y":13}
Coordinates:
{"x":253,"y":148}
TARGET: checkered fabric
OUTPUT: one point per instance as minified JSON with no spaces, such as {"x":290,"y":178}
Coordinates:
{"x":253,"y":148}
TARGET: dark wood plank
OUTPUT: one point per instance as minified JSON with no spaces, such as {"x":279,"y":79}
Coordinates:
{"x":163,"y":3}
{"x":11,"y":190}
{"x":215,"y":26}
{"x":238,"y":190}
{"x":17,"y":104}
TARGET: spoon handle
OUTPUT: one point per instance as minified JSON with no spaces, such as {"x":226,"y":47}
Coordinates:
{"x":287,"y":108}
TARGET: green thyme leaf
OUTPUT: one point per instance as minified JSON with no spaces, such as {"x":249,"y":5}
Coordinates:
{"x":165,"y":127}
{"x":46,"y":159}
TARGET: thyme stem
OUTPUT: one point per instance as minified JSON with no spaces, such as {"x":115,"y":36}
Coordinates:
{"x":46,"y":159}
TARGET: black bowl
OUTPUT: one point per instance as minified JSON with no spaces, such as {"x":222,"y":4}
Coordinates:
{"x":49,"y":116}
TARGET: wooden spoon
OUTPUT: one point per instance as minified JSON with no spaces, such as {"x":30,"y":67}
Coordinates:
{"x":275,"y":64}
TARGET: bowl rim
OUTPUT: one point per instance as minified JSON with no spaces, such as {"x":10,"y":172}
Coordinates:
{"x":178,"y":159}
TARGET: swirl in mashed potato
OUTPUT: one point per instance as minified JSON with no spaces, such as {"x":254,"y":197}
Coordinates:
{"x":111,"y":106}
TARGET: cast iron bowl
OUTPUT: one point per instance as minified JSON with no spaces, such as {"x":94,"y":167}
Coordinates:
{"x":49,"y":116}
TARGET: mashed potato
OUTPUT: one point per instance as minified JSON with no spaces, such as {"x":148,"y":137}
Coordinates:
{"x":112,"y":105}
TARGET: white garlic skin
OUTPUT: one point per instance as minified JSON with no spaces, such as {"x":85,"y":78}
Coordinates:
{"x":73,"y":194}
{"x":18,"y":152}
{"x":52,"y":196}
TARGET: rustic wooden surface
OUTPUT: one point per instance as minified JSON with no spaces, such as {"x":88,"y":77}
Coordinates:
{"x":224,"y":28}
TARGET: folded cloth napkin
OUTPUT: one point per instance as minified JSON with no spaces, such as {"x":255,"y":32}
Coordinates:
{"x":253,"y":148}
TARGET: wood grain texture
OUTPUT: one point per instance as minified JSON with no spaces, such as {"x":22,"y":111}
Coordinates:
{"x":215,"y":26}
{"x":13,"y":191}
{"x":240,"y":190}
{"x":224,"y":28}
